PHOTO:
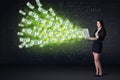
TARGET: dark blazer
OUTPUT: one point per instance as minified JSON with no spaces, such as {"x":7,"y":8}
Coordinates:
{"x":101,"y":34}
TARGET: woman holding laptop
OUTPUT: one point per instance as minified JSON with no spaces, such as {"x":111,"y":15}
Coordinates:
{"x":97,"y":39}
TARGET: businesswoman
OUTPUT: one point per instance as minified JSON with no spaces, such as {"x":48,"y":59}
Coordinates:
{"x":97,"y":39}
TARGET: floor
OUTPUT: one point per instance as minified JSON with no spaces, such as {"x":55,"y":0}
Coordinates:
{"x":57,"y":72}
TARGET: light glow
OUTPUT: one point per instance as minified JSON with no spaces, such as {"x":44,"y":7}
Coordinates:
{"x":42,"y":27}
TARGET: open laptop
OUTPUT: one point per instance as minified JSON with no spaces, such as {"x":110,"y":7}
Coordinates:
{"x":86,"y":33}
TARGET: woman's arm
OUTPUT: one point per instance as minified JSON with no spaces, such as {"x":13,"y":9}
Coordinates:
{"x":92,"y":38}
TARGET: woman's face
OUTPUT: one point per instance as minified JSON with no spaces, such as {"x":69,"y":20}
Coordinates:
{"x":99,"y":24}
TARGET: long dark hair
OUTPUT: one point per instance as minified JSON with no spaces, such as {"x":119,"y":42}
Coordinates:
{"x":102,"y":32}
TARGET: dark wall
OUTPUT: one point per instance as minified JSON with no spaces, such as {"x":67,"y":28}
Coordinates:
{"x":80,"y":12}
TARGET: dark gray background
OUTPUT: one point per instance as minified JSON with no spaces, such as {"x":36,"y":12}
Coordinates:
{"x":80,"y":12}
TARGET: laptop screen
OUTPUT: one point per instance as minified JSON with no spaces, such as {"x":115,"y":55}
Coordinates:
{"x":86,"y":33}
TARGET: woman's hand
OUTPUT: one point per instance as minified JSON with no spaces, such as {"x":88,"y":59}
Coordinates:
{"x":91,"y":38}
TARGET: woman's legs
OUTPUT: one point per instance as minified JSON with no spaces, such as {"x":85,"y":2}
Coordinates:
{"x":97,"y":63}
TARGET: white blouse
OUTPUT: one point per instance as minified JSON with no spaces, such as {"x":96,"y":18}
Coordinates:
{"x":96,"y":34}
